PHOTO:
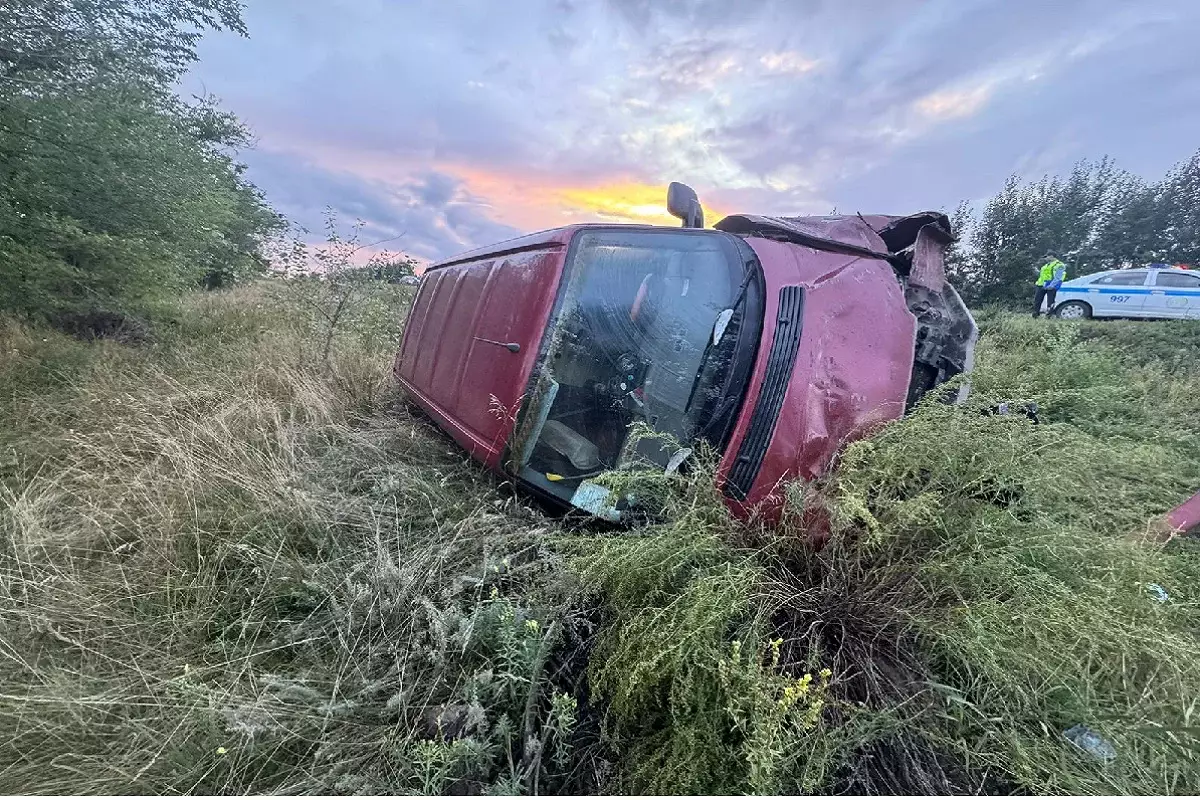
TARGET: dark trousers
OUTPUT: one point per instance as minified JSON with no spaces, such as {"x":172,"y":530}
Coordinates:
{"x":1045,"y":294}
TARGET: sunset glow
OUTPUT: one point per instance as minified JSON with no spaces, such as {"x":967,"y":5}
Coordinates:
{"x":458,"y":129}
{"x":626,"y":202}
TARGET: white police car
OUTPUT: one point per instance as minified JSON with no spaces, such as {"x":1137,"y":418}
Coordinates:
{"x":1146,"y":292}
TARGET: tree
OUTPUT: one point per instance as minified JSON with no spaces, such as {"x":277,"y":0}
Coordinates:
{"x":960,"y":266}
{"x":1098,"y":217}
{"x":394,"y":269}
{"x":114,"y":192}
{"x":1135,"y":231}
{"x":1181,"y":207}
{"x":53,"y":45}
{"x":338,"y":281}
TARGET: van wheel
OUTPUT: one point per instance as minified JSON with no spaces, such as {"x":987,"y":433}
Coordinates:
{"x":1073,"y":309}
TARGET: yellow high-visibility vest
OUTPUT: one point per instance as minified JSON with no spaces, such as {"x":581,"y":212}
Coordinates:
{"x":1047,"y":273}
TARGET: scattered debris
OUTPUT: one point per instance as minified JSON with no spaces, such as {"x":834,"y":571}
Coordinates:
{"x":1090,"y":742}
{"x":677,"y":460}
{"x":1030,"y":410}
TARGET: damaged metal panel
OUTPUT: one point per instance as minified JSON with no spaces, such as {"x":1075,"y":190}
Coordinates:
{"x":929,"y":259}
{"x":849,"y":235}
{"x":849,"y":374}
{"x":875,"y":235}
{"x":946,"y":332}
{"x":899,"y":232}
{"x":915,"y":247}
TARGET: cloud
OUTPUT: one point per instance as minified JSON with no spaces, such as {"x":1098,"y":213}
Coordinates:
{"x":625,"y":203}
{"x":436,"y":190}
{"x":951,"y":103}
{"x":679,"y":66}
{"x":460,"y":122}
{"x":788,"y":62}
{"x":428,"y":218}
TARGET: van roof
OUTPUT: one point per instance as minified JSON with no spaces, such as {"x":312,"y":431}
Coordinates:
{"x":875,"y":235}
{"x":547,"y":239}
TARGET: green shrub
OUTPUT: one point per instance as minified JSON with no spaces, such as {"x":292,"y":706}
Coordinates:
{"x":695,"y":698}
{"x":1003,"y":559}
{"x":117,"y":195}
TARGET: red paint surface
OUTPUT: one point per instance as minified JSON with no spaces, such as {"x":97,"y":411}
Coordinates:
{"x":852,"y":369}
{"x":472,"y":388}
{"x":1185,"y":516}
{"x":851,"y":374}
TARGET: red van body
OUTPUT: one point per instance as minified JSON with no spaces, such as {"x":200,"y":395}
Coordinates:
{"x":777,"y":340}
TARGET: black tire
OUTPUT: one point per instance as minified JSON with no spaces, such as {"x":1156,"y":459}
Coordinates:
{"x":1075,"y":309}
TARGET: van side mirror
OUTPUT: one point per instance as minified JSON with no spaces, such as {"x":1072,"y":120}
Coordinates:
{"x":682,"y":202}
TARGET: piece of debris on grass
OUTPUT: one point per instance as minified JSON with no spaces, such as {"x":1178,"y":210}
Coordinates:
{"x":1090,"y":742}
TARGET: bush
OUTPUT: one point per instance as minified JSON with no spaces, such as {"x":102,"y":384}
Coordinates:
{"x":985,"y":590}
{"x":988,"y":585}
{"x":117,"y":195}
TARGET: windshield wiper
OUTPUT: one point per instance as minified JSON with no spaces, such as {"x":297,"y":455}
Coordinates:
{"x":713,"y":340}
{"x":741,"y":295}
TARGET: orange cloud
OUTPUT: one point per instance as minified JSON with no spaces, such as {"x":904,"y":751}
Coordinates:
{"x":536,"y":200}
{"x":626,"y":202}
{"x":525,"y":199}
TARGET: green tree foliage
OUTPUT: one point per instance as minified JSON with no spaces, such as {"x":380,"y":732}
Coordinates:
{"x":395,"y":269}
{"x":114,"y":192}
{"x":1181,"y":198}
{"x":49,"y":45}
{"x":1098,"y":217}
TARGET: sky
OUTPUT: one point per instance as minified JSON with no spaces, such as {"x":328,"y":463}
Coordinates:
{"x":444,"y":126}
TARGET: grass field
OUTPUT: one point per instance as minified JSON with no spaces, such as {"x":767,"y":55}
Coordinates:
{"x":232,"y":561}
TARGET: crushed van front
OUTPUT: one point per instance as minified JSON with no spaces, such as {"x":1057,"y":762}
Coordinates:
{"x":857,"y":329}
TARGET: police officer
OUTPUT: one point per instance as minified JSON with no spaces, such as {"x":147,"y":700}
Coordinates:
{"x":1050,"y":277}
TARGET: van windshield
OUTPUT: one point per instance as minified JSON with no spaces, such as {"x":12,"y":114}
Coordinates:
{"x":648,"y":327}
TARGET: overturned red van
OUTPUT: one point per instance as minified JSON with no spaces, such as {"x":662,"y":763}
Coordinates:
{"x":775,"y":340}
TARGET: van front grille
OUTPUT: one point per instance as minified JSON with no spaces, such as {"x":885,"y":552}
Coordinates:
{"x":780,"y":364}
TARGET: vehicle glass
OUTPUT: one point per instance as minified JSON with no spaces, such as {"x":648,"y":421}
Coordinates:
{"x":1177,"y":280}
{"x":645,"y":332}
{"x":1122,"y":279}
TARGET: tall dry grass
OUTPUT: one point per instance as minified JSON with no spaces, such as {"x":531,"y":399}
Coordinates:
{"x":231,"y":565}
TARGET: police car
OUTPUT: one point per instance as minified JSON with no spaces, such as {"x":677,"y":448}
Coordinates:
{"x":1149,"y":292}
